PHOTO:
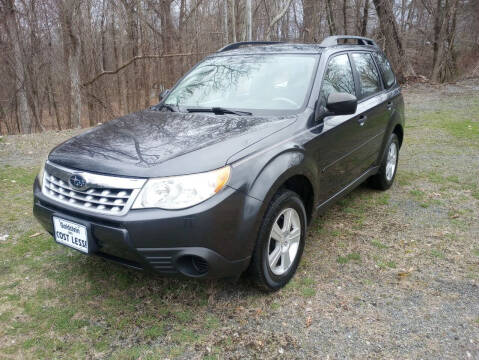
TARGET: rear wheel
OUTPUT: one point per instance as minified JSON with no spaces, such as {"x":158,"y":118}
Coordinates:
{"x":280,"y":242}
{"x":387,"y":171}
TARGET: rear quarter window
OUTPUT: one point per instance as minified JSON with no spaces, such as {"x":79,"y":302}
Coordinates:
{"x":369,"y":81}
{"x":387,"y":72}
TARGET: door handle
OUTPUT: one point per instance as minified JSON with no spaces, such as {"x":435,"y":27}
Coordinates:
{"x":362,"y":119}
{"x":390,"y":105}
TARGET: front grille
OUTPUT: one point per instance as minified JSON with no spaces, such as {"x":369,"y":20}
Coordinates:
{"x":102,"y":194}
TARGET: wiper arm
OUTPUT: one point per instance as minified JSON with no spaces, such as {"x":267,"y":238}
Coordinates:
{"x":167,"y":107}
{"x":220,"y":111}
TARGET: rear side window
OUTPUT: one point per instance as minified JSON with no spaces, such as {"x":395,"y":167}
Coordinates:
{"x":369,"y":82}
{"x":338,"y":78}
{"x":386,"y":69}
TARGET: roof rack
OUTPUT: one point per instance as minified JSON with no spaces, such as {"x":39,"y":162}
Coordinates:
{"x":334,"y":40}
{"x":237,"y":45}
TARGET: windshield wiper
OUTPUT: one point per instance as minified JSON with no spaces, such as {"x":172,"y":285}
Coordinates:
{"x":220,"y":111}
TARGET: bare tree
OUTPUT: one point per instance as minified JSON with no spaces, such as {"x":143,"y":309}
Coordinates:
{"x":394,"y":45}
{"x":444,"y":62}
{"x":248,"y":22}
{"x":345,"y":16}
{"x":310,"y":21}
{"x":18,"y":66}
{"x":69,"y":20}
{"x":277,"y":18}
{"x":364,"y":21}
{"x":225,"y":21}
{"x":331,"y":18}
{"x":67,"y":63}
{"x":233,"y":19}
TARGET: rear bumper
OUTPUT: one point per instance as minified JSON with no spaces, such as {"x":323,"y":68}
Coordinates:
{"x":211,"y":240}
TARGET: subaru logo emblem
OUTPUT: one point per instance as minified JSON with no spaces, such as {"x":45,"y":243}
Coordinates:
{"x":78,"y":182}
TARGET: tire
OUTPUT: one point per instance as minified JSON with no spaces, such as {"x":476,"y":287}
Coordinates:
{"x":386,"y":174}
{"x":285,"y":204}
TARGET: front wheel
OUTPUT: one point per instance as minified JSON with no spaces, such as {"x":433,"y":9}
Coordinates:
{"x":280,"y":242}
{"x":387,"y":171}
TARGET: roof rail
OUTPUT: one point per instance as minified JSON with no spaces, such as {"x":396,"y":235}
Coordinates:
{"x":237,"y":45}
{"x":334,"y":40}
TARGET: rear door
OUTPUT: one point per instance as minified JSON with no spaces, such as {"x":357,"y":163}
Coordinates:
{"x":372,"y":109}
{"x":391,"y":90}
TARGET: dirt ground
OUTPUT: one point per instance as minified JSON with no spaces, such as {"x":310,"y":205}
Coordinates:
{"x":390,"y":275}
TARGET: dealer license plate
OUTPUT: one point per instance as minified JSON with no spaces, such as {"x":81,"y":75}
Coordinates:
{"x":71,"y":234}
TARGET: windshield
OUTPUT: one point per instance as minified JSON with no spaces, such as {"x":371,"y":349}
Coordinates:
{"x":247,"y":82}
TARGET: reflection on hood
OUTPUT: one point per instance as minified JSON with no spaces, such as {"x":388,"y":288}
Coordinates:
{"x":148,"y":138}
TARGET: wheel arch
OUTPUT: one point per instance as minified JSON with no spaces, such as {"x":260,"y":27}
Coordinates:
{"x":291,"y":170}
{"x":399,"y":131}
{"x":302,"y":186}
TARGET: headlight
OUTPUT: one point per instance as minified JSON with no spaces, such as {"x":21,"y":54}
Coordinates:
{"x":40,"y":174}
{"x":179,"y":192}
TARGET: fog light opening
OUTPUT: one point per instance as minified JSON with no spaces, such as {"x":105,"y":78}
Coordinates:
{"x":192,"y":265}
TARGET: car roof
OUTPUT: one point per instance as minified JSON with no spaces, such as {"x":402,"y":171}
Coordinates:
{"x":289,"y":48}
{"x":275,"y":49}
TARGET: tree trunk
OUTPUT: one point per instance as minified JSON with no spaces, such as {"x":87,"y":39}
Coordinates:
{"x":345,"y":16}
{"x":168,"y":36}
{"x":394,"y":46}
{"x":277,"y":18}
{"x":438,"y":18}
{"x":133,"y":42}
{"x":248,"y":21}
{"x":31,"y":74}
{"x":118,"y":60}
{"x":25,"y":120}
{"x":225,"y":22}
{"x":445,"y":63}
{"x":233,"y":20}
{"x":364,"y":22}
{"x":310,"y":21}
{"x":331,"y":22}
{"x":70,"y":15}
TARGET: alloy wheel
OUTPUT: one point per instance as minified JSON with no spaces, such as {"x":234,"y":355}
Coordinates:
{"x":391,"y":161}
{"x":284,"y":241}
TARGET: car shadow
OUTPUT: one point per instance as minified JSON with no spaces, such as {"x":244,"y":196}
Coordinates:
{"x":113,"y":280}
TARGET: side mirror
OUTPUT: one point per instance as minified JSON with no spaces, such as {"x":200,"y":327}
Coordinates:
{"x":163,"y":94}
{"x":342,"y":103}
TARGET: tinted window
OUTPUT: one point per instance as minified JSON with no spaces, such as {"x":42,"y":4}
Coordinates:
{"x":338,"y":78}
{"x":368,"y":75}
{"x":385,"y":66}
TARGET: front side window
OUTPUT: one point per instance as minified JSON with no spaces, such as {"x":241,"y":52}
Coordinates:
{"x":386,"y":69}
{"x":337,"y":78}
{"x":247,"y":82}
{"x":369,"y":82}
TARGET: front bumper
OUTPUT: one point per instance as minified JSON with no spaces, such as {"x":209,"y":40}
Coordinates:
{"x":211,"y":240}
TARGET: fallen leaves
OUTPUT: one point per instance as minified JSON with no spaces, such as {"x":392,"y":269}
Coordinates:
{"x":309,"y":321}
{"x":402,"y":274}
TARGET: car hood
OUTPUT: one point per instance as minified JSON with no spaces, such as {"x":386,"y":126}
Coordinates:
{"x":153,"y":143}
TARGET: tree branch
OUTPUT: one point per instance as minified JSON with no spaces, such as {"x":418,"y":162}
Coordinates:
{"x":132,"y":60}
{"x":277,"y":18}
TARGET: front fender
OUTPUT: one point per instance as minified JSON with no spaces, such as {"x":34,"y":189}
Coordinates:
{"x":278,"y":170}
{"x":261,"y":177}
